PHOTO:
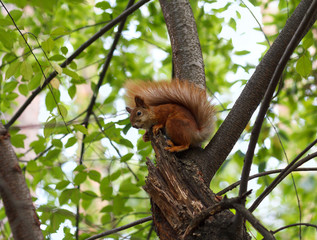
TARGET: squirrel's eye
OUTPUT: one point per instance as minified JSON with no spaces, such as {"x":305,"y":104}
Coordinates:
{"x":139,"y":113}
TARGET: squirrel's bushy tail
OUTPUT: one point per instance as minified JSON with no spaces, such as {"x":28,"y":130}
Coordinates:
{"x":178,"y":92}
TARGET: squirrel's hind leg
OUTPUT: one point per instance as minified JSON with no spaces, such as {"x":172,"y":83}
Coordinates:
{"x":179,"y":132}
{"x":172,"y":148}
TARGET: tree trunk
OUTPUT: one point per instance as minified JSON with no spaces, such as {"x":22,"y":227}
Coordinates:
{"x":24,"y":222}
{"x":179,"y":194}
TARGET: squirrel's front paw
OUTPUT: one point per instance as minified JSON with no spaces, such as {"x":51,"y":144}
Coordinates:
{"x":156,"y":129}
{"x":146,"y":136}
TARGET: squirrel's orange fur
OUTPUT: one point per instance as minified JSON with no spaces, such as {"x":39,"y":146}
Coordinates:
{"x":180,"y":107}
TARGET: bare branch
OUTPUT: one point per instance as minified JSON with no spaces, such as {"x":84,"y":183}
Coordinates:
{"x":262,"y":174}
{"x":294,"y":225}
{"x":115,"y":230}
{"x":254,"y":221}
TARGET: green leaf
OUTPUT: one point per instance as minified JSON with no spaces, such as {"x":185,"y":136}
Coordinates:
{"x":57,"y":143}
{"x":304,"y":66}
{"x":115,"y":175}
{"x":48,"y":45}
{"x":72,"y":91}
{"x":59,"y":31}
{"x":16,"y":14}
{"x":66,"y":195}
{"x":103,"y":5}
{"x":35,"y":82}
{"x":94,"y":175}
{"x":51,"y":155}
{"x":80,"y":168}
{"x":70,"y":142}
{"x":49,"y":127}
{"x":126,"y":187}
{"x":57,"y":68}
{"x":62,"y":110}
{"x":7,"y":38}
{"x":106,"y":218}
{"x":58,"y":57}
{"x":62,"y":184}
{"x":38,"y":145}
{"x":75,"y":196}
{"x":64,"y":50}
{"x":71,"y":73}
{"x":233,"y":24}
{"x":308,"y":42}
{"x":32,"y":166}
{"x":240,"y":53}
{"x":50,"y":100}
{"x":126,"y":142}
{"x":17,"y":140}
{"x":23,"y":89}
{"x":108,"y":209}
{"x":126,"y":157}
{"x":12,"y":69}
{"x":10,"y":86}
{"x":89,"y":195}
{"x":81,"y":128}
{"x":95,"y":136}
{"x":80,"y":177}
{"x":238,"y":15}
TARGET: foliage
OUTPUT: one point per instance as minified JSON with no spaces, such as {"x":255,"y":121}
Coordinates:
{"x":102,"y":173}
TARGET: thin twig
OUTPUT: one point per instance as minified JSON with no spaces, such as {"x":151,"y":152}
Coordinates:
{"x":262,"y":174}
{"x":266,"y":38}
{"x":294,"y":225}
{"x":118,"y":229}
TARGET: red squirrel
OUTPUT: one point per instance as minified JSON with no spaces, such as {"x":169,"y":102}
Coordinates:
{"x":180,"y":107}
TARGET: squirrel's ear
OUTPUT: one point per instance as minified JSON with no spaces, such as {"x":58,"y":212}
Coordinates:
{"x":128,"y":109}
{"x":139,"y":102}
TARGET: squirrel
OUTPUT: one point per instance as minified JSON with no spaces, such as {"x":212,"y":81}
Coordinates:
{"x":180,"y":107}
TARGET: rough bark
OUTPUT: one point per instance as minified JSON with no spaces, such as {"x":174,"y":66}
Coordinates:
{"x":15,"y":194}
{"x":179,"y":194}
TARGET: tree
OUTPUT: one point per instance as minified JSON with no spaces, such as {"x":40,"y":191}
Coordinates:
{"x":86,"y":174}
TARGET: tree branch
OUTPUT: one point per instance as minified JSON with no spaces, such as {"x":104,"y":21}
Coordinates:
{"x":254,"y":221}
{"x":118,"y":229}
{"x":187,"y":56}
{"x":294,"y":225}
